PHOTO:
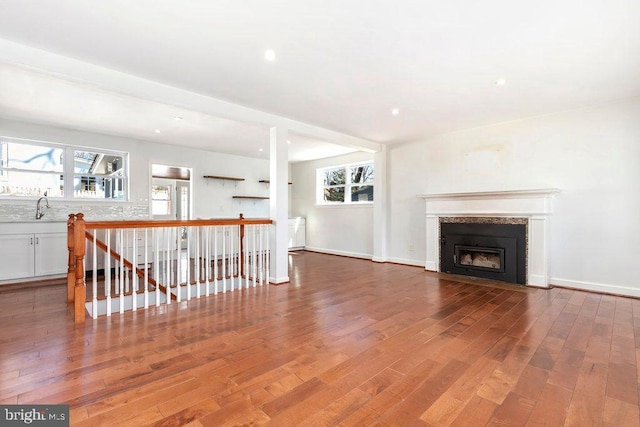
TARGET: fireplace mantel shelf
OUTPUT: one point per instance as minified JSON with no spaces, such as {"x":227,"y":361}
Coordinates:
{"x":504,"y":194}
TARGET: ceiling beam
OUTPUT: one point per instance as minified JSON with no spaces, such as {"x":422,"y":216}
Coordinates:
{"x":115,"y":81}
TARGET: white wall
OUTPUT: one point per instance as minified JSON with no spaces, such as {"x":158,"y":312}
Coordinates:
{"x":211,"y":198}
{"x":342,"y":230}
{"x":591,"y":155}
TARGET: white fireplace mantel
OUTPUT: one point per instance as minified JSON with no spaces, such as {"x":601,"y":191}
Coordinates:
{"x":533,"y":204}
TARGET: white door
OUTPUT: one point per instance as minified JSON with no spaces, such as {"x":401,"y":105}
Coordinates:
{"x":163,"y":198}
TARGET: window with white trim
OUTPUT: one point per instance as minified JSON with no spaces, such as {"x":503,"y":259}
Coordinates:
{"x":34,"y":168}
{"x":346,"y":184}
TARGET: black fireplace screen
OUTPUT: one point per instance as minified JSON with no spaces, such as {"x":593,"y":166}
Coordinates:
{"x":491,"y":251}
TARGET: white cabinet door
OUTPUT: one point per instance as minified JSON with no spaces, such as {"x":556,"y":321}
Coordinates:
{"x":16,"y":256}
{"x":51,"y":254}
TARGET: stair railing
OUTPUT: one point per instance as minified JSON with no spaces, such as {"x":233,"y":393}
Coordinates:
{"x":154,"y":262}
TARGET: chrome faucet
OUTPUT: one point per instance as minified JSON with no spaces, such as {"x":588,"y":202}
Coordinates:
{"x":40,"y":209}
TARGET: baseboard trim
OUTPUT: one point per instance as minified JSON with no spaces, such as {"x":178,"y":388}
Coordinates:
{"x":595,"y":287}
{"x":278,"y":280}
{"x":405,"y":261}
{"x":339,"y":253}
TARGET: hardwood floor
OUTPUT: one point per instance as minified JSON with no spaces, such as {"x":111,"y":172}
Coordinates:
{"x":347,"y":342}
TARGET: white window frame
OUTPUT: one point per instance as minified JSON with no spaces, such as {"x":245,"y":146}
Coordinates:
{"x":320,"y":187}
{"x":68,"y":171}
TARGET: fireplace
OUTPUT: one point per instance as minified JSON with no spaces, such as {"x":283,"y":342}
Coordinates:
{"x":479,"y":258}
{"x":491,"y":248}
{"x":485,"y":256}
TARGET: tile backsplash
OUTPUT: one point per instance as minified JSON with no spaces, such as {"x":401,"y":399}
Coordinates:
{"x":59,"y":211}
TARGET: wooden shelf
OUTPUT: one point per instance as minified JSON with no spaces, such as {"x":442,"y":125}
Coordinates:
{"x":266,"y":181}
{"x":227,"y":178}
{"x":251,"y":197}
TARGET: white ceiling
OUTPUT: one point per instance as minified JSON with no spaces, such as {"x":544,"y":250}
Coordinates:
{"x":30,"y":96}
{"x":341,"y":65}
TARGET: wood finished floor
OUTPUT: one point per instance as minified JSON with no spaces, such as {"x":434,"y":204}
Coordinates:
{"x":347,"y":342}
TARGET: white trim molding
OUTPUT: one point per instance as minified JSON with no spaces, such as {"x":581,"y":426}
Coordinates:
{"x":534,"y":204}
{"x":340,"y":253}
{"x":596,"y":287}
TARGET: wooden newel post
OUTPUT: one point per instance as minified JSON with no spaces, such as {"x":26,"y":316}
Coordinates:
{"x":71,"y":269}
{"x":241,"y":246}
{"x":79,"y":249}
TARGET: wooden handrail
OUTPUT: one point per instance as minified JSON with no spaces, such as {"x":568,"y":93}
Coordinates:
{"x":174,"y":223}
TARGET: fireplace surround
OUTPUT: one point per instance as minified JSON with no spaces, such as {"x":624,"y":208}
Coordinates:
{"x":487,"y":247}
{"x":531,"y":206}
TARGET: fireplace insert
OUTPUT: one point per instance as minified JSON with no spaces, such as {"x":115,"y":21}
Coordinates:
{"x":490,"y":251}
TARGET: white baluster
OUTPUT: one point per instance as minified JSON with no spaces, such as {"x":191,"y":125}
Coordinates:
{"x":196,"y":267}
{"x":94,"y":303}
{"x":224,"y":259}
{"x":121,"y":251}
{"x":207,"y":258}
{"x":236,"y":257}
{"x":188,"y":263}
{"x":214,"y":259}
{"x":268,"y":232}
{"x":260,"y":255}
{"x":178,"y":263}
{"x":156,"y":264}
{"x":232,"y":255}
{"x":107,"y":273}
{"x":254,"y":257}
{"x":134,"y":275}
{"x":146,"y":269}
{"x":245,"y":250}
{"x":167,"y":256}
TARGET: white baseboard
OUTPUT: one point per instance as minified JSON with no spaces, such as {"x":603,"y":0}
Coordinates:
{"x":278,"y":280}
{"x":341,"y":253}
{"x":406,"y":261}
{"x":596,"y":287}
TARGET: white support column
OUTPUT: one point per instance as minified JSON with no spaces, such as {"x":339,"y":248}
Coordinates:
{"x":380,"y":205}
{"x":279,"y":204}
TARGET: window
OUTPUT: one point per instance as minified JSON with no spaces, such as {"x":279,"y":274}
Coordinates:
{"x":345,"y":184}
{"x":34,"y":168}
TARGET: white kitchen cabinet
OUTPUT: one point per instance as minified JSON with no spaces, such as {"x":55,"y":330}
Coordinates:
{"x":51,"y":254}
{"x":140,"y":243}
{"x":32,"y":255}
{"x":297,"y":228}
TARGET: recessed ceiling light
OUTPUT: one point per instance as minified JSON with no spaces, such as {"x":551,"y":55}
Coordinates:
{"x":501,"y":82}
{"x":269,"y":55}
{"x":288,"y":141}
{"x":261,"y":150}
{"x":177,"y":118}
{"x":157,"y":130}
{"x":395,"y":111}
